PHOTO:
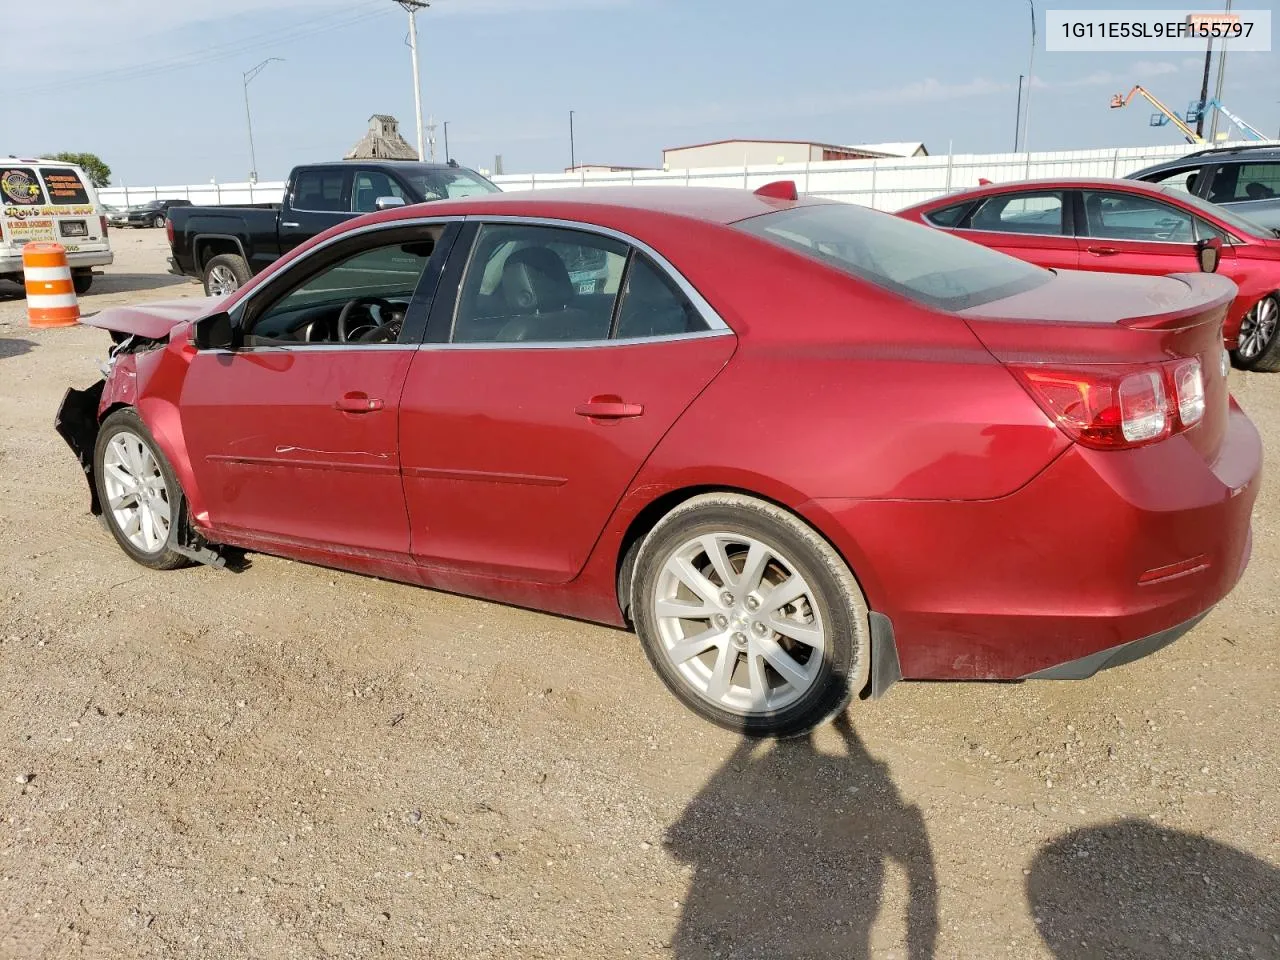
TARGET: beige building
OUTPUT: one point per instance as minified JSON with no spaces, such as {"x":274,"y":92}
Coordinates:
{"x":382,"y":142}
{"x":737,"y":153}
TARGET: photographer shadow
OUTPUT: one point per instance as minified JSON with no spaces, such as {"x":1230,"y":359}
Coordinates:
{"x":1134,"y":890}
{"x":789,"y":848}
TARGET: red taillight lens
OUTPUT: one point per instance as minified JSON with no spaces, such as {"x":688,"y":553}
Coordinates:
{"x":168,"y":230}
{"x":1113,"y":407}
{"x":102,"y":222}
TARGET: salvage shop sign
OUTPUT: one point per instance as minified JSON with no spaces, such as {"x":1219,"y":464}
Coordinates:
{"x":25,"y":231}
{"x":25,"y":213}
{"x":18,"y":185}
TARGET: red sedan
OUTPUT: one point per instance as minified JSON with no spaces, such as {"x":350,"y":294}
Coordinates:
{"x":1127,"y":226}
{"x":807,"y":449}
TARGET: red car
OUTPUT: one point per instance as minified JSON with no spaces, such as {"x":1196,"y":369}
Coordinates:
{"x":1127,"y":226}
{"x":807,"y":449}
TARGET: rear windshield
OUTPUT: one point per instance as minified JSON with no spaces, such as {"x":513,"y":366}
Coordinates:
{"x":918,"y":262}
{"x":64,"y":185}
{"x":19,"y":187}
{"x":1240,"y":224}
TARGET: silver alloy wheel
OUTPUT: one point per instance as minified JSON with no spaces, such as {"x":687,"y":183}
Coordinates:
{"x":740,"y":625}
{"x":137,"y":494}
{"x":158,"y":222}
{"x":1258,"y":327}
{"x":222,"y":281}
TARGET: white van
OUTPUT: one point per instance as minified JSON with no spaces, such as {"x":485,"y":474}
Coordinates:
{"x":49,"y":200}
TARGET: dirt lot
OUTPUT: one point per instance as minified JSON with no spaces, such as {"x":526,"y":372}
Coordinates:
{"x":293,"y":762}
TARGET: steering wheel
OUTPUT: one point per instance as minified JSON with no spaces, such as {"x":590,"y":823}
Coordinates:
{"x":381,"y":327}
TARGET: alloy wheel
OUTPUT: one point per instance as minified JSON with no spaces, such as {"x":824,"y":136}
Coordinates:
{"x":1258,"y":328}
{"x":739,"y":623}
{"x":137,"y":494}
{"x":222,"y":281}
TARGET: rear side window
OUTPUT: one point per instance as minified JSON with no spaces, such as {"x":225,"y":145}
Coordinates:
{"x":19,"y":187}
{"x":947,"y":216}
{"x":652,"y":305}
{"x":1035,"y":213}
{"x":64,"y":185}
{"x":319,"y":190}
{"x":939,"y":270}
{"x":1242,"y":182}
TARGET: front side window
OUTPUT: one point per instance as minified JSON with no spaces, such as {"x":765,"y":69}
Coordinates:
{"x":320,"y":191}
{"x":1127,"y":216}
{"x":1184,"y":181}
{"x":529,"y":283}
{"x":369,"y":186}
{"x":19,"y":187}
{"x":64,"y":185}
{"x":1034,"y":213}
{"x":939,"y":270}
{"x":362,"y":298}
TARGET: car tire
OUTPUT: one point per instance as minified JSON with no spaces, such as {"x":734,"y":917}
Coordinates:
{"x":158,"y":222}
{"x":225,"y":273}
{"x":142,"y":501}
{"x":729,"y":657}
{"x":1259,"y":344}
{"x":82,"y":280}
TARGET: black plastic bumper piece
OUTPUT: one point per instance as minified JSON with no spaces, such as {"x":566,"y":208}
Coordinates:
{"x":1086,"y":667}
{"x":77,"y":423}
{"x":885,"y":668}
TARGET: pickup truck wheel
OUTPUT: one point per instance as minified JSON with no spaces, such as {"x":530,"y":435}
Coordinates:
{"x":224,"y":274}
{"x":82,"y":280}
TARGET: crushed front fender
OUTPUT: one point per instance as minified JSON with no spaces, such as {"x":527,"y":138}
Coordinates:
{"x":77,"y":423}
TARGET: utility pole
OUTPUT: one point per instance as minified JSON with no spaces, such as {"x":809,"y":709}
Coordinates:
{"x":1217,"y":94}
{"x":1026,"y":127}
{"x":249,"y":75}
{"x":1017,"y":114}
{"x":446,"y":141}
{"x":412,"y":7}
{"x":573,"y":161}
{"x":1204,"y":88}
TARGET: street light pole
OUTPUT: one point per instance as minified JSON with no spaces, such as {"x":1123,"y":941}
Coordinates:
{"x":249,"y":75}
{"x":446,"y":141}
{"x":412,"y":7}
{"x":573,"y":161}
{"x":1026,"y":127}
{"x":1017,"y":114}
{"x":1217,"y":90}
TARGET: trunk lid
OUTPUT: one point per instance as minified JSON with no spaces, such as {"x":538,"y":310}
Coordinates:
{"x":1099,"y":318}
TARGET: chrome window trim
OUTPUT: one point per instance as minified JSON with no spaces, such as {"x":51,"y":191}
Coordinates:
{"x":314,"y":348}
{"x":715,"y":323}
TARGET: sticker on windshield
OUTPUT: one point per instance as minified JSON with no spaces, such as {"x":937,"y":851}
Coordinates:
{"x":20,"y":186}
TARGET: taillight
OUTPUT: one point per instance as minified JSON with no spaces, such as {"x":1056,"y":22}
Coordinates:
{"x":168,"y":230}
{"x":1115,"y":407}
{"x":102,"y":222}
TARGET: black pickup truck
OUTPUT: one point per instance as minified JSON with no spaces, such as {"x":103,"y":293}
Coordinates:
{"x":225,"y":246}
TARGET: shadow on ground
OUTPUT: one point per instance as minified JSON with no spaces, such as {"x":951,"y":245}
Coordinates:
{"x":789,"y":848}
{"x":108,"y":284}
{"x":1135,"y":890}
{"x":14,"y":347}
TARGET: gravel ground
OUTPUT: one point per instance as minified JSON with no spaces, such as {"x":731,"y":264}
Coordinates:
{"x":295,"y":762}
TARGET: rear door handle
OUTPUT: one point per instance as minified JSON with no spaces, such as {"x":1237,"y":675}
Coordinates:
{"x":608,"y":408}
{"x":289,"y":223}
{"x":1102,"y":251}
{"x":357,"y":403}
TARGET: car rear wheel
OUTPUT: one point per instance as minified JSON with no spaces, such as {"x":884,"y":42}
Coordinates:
{"x":158,"y":221}
{"x":224,"y":274}
{"x":1259,"y":344}
{"x":82,"y":280}
{"x":749,"y":616}
{"x":141,"y":500}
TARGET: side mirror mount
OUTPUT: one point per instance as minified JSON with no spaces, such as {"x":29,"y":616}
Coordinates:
{"x":386,"y":203}
{"x":216,"y":332}
{"x":1209,"y":253}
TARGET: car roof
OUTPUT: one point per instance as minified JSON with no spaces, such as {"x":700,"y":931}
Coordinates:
{"x":611,"y":206}
{"x":1198,"y":158}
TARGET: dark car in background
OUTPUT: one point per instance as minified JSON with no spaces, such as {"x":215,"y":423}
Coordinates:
{"x":1244,"y":179}
{"x":150,"y":214}
{"x":227,"y":245}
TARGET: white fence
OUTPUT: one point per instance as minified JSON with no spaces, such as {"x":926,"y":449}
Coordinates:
{"x":888,"y":184}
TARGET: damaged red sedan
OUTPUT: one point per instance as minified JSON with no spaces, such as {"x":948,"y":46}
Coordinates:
{"x":805,"y":448}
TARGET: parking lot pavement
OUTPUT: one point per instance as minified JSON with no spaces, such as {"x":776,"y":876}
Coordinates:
{"x":294,"y":762}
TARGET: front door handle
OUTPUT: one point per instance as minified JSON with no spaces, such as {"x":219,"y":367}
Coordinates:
{"x":289,"y":223}
{"x":1102,"y":251}
{"x":357,"y":403}
{"x":608,"y":407}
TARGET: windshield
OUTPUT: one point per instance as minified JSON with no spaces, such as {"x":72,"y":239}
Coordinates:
{"x":449,"y":184}
{"x":1239,"y":224}
{"x":918,"y":262}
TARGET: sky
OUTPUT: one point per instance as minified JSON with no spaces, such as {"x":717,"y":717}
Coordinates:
{"x":155,"y":87}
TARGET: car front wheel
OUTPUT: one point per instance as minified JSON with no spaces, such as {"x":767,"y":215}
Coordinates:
{"x":141,"y":499}
{"x":749,"y":616}
{"x":158,"y":221}
{"x":1259,"y":345}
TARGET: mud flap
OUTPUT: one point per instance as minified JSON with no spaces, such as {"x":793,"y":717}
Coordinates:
{"x":77,"y":423}
{"x":885,"y":668}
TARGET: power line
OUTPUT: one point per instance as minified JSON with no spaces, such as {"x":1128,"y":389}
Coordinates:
{"x":214,"y":53}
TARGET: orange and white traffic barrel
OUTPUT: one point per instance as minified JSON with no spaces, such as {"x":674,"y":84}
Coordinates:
{"x":51,"y":296}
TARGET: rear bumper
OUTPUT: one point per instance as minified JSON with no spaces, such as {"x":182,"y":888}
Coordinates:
{"x":1100,"y":551}
{"x":1086,"y":667}
{"x":12,"y":264}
